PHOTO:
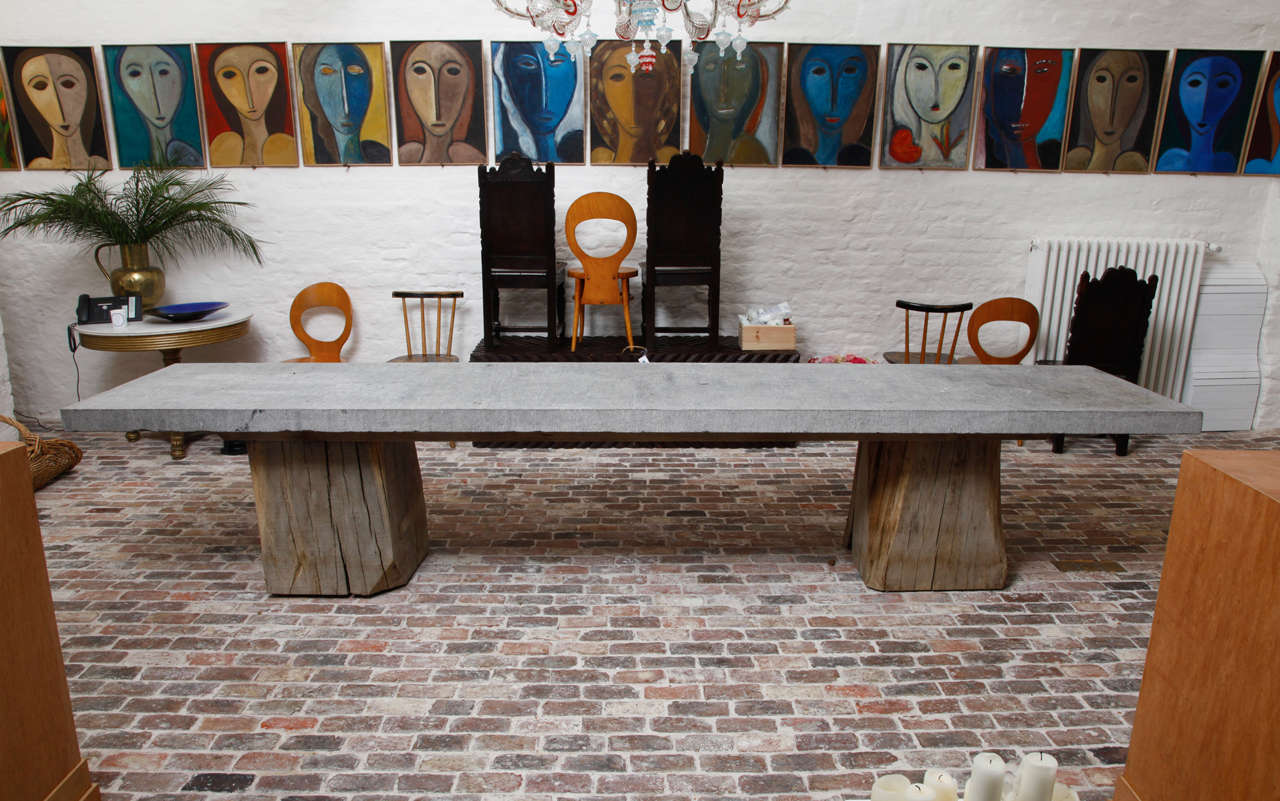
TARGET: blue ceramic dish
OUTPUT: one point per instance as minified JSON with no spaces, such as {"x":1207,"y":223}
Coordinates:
{"x":186,"y":312}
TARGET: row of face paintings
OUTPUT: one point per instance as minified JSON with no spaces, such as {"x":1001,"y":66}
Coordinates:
{"x":226,"y":105}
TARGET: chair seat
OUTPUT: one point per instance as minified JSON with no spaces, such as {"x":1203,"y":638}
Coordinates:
{"x":429,"y":357}
{"x":623,"y":272}
{"x":899,"y":357}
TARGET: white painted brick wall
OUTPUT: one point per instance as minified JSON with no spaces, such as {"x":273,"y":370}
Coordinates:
{"x":7,"y":434}
{"x":839,"y":245}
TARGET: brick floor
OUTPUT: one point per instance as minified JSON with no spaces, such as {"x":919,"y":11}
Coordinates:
{"x":608,"y":624}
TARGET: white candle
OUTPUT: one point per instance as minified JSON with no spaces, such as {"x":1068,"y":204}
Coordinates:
{"x":918,"y":792}
{"x":986,"y":782}
{"x":1036,"y":777}
{"x":943,"y":786}
{"x":892,"y":787}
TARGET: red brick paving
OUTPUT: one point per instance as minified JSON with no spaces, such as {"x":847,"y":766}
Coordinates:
{"x":599,"y":625}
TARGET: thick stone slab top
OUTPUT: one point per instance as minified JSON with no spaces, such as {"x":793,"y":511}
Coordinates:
{"x":620,"y":401}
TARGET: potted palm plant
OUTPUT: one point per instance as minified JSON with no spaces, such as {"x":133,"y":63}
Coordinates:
{"x":158,"y":208}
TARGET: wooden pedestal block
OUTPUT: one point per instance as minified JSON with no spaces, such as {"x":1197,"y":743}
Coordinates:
{"x":925,"y":514}
{"x":336,"y":517}
{"x":1206,"y":725}
{"x":39,"y":755}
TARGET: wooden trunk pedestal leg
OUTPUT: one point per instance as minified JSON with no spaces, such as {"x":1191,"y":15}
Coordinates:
{"x":338,"y":518}
{"x":926,"y":515}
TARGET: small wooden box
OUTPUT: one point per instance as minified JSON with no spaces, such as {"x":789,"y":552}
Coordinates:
{"x":767,"y":337}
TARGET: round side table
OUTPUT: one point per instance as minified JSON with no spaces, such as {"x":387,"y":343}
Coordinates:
{"x":169,"y":339}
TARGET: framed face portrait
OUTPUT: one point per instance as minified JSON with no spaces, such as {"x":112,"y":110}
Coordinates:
{"x":1262,"y":157}
{"x":735,"y":103}
{"x":539,"y":105}
{"x":343,"y":118}
{"x":248,"y":110}
{"x":1025,"y":92}
{"x":57,"y":107}
{"x":9,"y":158}
{"x":439,"y":92}
{"x":1112,"y":125}
{"x":1211,"y":97}
{"x":635,"y":111}
{"x":929,"y":92}
{"x":831,"y":98}
{"x":154,"y":106}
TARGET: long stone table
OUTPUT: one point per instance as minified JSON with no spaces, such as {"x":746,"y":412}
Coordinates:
{"x":339,"y":494}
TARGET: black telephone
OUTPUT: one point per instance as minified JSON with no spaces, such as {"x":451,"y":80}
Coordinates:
{"x":98,"y":310}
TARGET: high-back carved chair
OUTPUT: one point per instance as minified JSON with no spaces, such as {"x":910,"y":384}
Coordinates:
{"x":600,"y":280}
{"x":324,"y":294}
{"x":998,"y":310}
{"x":428,"y":354}
{"x":683,"y":239}
{"x":518,"y":243}
{"x":1108,"y":329}
{"x":927,"y":353}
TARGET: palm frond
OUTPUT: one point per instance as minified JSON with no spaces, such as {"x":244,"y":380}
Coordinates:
{"x":172,"y":210}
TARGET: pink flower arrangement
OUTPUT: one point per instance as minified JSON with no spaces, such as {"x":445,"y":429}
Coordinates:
{"x":848,"y":358}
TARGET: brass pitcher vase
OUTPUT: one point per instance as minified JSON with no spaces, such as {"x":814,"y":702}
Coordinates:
{"x":135,"y":275}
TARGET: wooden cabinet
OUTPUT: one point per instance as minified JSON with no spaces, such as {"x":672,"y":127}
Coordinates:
{"x":1206,"y":725}
{"x":39,"y":756}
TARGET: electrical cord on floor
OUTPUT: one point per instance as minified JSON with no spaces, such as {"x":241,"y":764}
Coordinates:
{"x":73,"y":345}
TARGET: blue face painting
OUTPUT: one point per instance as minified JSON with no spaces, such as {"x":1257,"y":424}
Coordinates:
{"x":541,"y":86}
{"x":344,"y":85}
{"x":1006,"y":85}
{"x":833,"y":78}
{"x":1207,"y":89}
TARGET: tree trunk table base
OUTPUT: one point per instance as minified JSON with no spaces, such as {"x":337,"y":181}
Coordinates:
{"x":925,"y":514}
{"x":337,"y":517}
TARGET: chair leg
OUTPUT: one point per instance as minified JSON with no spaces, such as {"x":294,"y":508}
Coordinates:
{"x":626,"y":311}
{"x":713,"y":313}
{"x":487,"y":293}
{"x":552,"y":339}
{"x":577,"y":314}
{"x":648,"y":314}
{"x":1122,"y":444}
{"x":1059,"y":443}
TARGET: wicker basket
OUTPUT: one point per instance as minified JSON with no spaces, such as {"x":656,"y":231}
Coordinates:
{"x":49,"y":458}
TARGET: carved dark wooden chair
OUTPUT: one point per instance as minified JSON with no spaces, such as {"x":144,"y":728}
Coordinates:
{"x":518,"y":243}
{"x":683,"y":222}
{"x":1108,"y":329}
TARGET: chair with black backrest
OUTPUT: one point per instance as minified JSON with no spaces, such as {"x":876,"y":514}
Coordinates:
{"x":1108,"y":329}
{"x":1000,"y":310}
{"x":429,"y":353}
{"x":683,"y":231}
{"x":518,"y":243}
{"x":924,"y":355}
{"x":601,"y":280}
{"x":324,"y":294}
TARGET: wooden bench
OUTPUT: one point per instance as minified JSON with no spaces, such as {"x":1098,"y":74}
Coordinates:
{"x":339,"y":493}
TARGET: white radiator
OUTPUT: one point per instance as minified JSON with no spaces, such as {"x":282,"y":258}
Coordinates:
{"x":1053,"y":270}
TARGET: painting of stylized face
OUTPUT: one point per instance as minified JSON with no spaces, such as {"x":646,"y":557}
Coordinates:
{"x":833,"y":78}
{"x":1022,"y":87}
{"x":542,"y":86}
{"x":437,"y":79}
{"x":936,"y":79}
{"x":1207,"y":89}
{"x":59,"y":90}
{"x":247,"y":76}
{"x":1114,"y":89}
{"x":620,"y":91}
{"x":728,"y":85}
{"x":153,"y":80}
{"x":344,"y":86}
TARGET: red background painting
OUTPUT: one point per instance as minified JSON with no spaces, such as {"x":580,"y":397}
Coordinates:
{"x":214,"y":122}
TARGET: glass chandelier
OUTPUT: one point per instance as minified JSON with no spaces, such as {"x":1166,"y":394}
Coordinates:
{"x":645,"y":21}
